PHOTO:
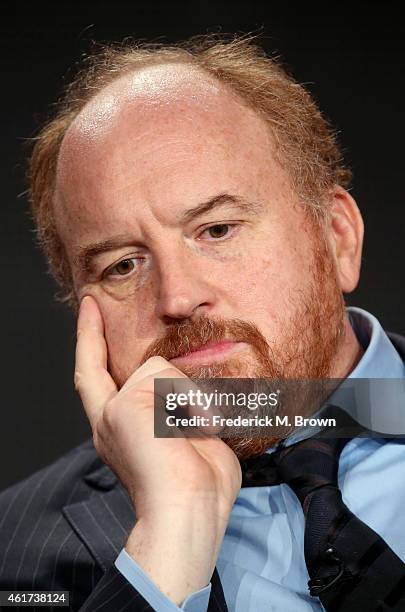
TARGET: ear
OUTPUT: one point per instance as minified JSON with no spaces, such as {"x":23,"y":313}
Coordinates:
{"x":345,"y":235}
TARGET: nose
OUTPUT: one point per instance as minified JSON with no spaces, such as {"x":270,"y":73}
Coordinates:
{"x":184,"y":288}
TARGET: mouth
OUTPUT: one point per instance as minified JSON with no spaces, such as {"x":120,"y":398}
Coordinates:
{"x":209,"y":353}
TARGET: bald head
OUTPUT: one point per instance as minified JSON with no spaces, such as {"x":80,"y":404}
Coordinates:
{"x":151,"y":88}
{"x":163,"y":137}
{"x":155,"y":101}
{"x":204,"y":76}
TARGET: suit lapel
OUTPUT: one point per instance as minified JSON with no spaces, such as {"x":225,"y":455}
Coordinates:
{"x":103,"y":522}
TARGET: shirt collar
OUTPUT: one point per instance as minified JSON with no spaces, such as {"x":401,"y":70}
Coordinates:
{"x":364,"y":400}
{"x":380,"y":359}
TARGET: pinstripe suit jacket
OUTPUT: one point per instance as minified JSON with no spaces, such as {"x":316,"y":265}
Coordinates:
{"x":63,"y":527}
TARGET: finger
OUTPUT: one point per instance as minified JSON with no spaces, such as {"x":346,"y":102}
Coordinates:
{"x":164,"y":380}
{"x":162,"y":428}
{"x":173,"y":390}
{"x":92,"y":380}
{"x":151,"y":366}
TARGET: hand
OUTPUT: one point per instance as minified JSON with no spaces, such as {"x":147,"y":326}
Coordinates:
{"x":183,"y":489}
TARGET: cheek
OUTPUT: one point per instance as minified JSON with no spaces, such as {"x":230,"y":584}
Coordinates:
{"x":263,"y":286}
{"x":127,"y":333}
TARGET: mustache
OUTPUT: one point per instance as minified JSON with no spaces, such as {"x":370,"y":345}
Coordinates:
{"x":187,"y":336}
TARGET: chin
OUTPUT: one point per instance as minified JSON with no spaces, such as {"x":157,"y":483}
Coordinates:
{"x":244,"y":448}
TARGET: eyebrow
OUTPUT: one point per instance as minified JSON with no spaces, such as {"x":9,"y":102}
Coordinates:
{"x":86,"y":254}
{"x":220,"y":200}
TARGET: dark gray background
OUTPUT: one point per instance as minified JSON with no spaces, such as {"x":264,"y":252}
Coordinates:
{"x":351,"y":58}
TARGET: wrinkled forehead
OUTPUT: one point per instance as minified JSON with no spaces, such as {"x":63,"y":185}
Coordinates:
{"x":178,"y":99}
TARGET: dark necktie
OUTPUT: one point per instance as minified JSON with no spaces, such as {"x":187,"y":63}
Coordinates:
{"x":351,"y":568}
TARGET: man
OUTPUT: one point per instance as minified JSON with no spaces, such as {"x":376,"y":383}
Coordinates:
{"x":193,"y":205}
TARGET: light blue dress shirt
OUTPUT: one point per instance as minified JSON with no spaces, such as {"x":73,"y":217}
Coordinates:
{"x":261,"y":562}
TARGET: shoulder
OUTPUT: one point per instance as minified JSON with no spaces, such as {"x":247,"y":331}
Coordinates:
{"x":40,"y":550}
{"x":57,"y":479}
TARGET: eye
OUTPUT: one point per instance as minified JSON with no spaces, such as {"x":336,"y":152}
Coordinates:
{"x":122,"y":268}
{"x":218,"y":231}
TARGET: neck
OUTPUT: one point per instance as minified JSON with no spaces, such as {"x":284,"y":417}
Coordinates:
{"x":349,"y":353}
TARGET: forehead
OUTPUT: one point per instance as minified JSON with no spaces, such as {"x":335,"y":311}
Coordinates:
{"x":165,"y":134}
{"x":174,"y":99}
